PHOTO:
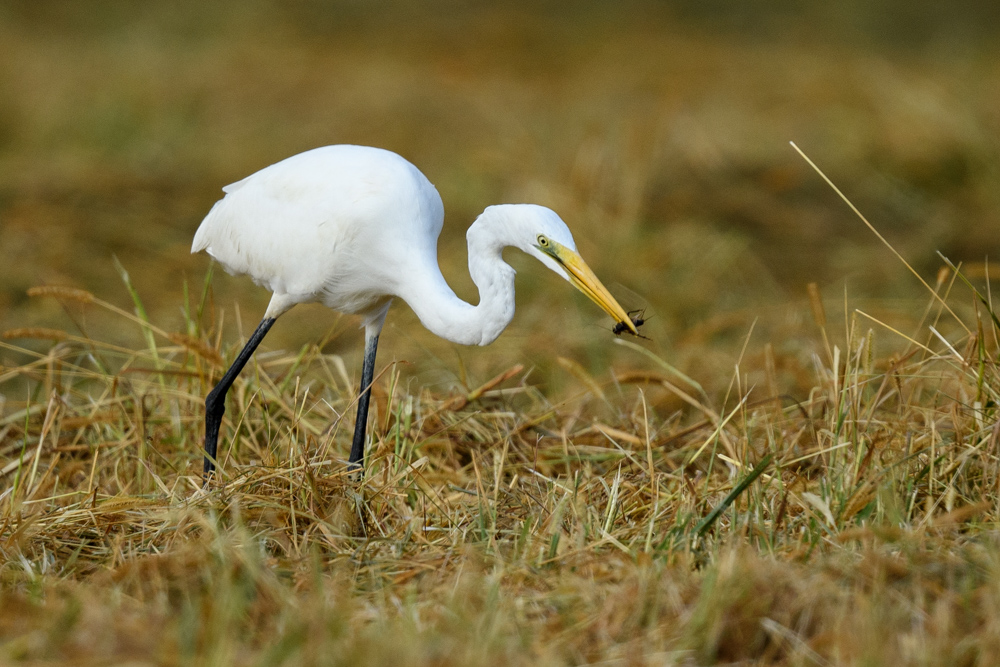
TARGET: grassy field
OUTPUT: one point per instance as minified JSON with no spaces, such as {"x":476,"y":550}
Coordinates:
{"x":799,"y":468}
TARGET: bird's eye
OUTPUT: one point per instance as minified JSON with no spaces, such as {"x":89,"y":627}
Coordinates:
{"x":542,"y":241}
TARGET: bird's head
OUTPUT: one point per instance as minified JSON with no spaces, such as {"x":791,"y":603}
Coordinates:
{"x":541,"y":233}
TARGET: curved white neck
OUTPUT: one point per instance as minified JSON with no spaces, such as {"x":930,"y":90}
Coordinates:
{"x":447,"y":316}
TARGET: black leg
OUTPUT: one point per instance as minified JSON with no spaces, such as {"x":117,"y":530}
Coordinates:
{"x":357,"y":460}
{"x":215,"y":403}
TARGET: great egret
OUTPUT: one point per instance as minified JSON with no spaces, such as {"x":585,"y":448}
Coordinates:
{"x":352,"y":227}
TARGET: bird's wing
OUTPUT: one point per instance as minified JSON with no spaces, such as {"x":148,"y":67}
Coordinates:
{"x":330,"y":223}
{"x":233,"y":187}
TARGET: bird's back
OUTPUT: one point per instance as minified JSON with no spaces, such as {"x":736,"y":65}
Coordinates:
{"x":333,"y":224}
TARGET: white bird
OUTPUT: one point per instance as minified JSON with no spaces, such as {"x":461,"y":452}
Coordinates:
{"x":353,"y":227}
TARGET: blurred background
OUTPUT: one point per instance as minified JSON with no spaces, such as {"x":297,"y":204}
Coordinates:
{"x":658,"y":131}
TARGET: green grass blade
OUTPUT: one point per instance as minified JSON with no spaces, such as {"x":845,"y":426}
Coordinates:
{"x":707,"y":522}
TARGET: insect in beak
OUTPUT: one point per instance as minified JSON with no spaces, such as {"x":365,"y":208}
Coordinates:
{"x":584,"y":280}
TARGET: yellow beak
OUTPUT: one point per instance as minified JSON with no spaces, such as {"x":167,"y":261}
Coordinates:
{"x":584,"y":280}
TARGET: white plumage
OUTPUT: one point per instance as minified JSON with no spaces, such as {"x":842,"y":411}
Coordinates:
{"x":352,"y":227}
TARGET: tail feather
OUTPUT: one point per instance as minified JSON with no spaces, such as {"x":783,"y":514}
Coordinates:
{"x":202,"y":238}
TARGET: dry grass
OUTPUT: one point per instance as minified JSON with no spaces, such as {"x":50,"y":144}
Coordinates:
{"x":849,"y":523}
